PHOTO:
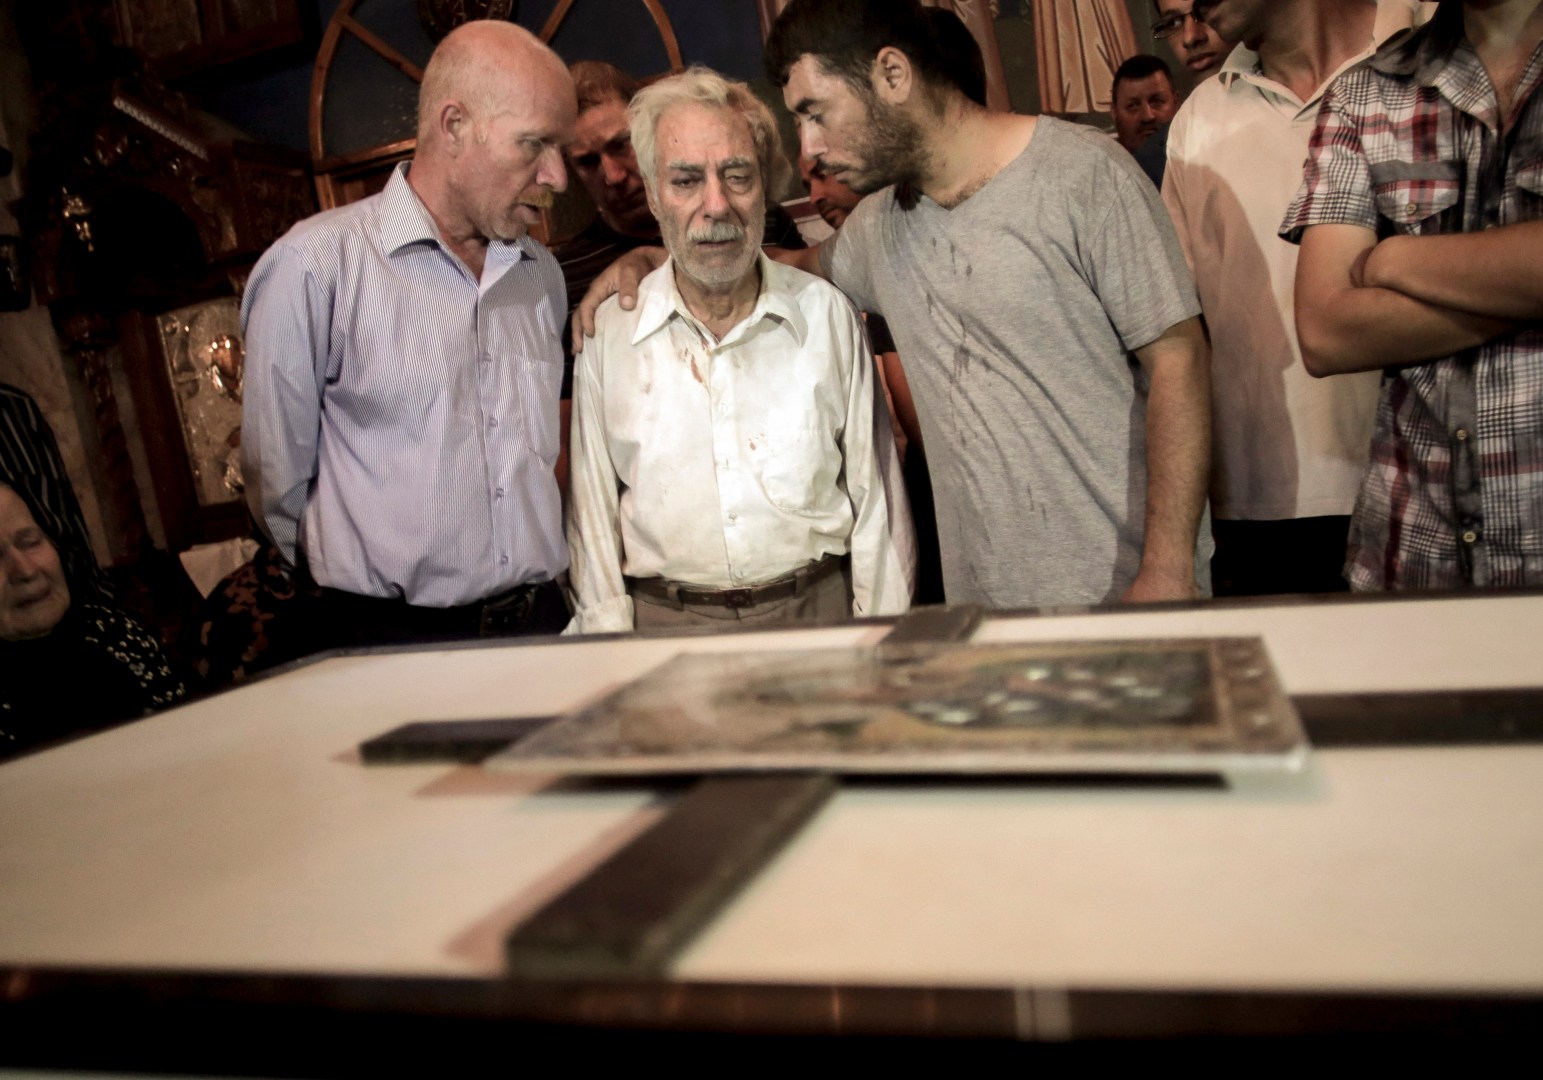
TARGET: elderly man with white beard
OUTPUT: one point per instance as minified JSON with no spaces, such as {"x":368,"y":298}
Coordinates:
{"x":732,"y":465}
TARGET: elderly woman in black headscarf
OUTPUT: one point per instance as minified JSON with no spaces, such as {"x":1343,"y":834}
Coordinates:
{"x":65,"y":665}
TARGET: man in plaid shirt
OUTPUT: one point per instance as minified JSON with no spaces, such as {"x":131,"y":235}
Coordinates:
{"x":1421,"y":224}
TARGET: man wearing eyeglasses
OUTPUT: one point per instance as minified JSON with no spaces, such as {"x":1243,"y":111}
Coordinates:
{"x":1197,"y":46}
{"x":1289,"y":450}
{"x":1199,"y":49}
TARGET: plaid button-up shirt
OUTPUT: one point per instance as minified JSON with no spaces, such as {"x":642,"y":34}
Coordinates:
{"x":1413,"y":143}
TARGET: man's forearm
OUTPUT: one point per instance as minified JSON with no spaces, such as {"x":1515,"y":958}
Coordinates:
{"x":1344,"y":326}
{"x":883,"y":540}
{"x":593,"y":515}
{"x":1367,"y":329}
{"x":1496,"y":273}
{"x":1178,"y":430}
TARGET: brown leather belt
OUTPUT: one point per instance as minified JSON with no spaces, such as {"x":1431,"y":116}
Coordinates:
{"x":778,"y":588}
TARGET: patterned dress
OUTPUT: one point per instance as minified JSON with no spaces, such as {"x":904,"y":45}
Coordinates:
{"x":96,"y":668}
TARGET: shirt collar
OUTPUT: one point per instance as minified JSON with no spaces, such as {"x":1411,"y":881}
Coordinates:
{"x":659,"y":301}
{"x":405,"y":221}
{"x":1392,"y":21}
{"x":1422,"y":55}
{"x":1440,"y":56}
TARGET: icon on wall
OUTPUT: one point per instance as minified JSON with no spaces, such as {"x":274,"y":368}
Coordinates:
{"x":204,"y":358}
{"x":15,"y":294}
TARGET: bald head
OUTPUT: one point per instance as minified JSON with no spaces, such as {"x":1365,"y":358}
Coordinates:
{"x":484,"y":65}
{"x":494,"y":112}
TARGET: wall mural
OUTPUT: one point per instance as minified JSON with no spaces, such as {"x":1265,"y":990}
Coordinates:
{"x":1079,"y":44}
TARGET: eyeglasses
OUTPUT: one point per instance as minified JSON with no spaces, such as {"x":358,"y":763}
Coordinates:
{"x":1173,"y":22}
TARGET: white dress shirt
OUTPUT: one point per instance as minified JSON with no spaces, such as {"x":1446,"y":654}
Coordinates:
{"x":1284,"y":444}
{"x":724,"y":463}
{"x":399,"y":423}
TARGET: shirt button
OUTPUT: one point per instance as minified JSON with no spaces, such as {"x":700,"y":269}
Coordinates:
{"x":503,"y":560}
{"x":733,"y":518}
{"x":1462,"y":434}
{"x":1470,"y":536}
{"x":1411,"y":208}
{"x":498,"y":493}
{"x":492,"y":421}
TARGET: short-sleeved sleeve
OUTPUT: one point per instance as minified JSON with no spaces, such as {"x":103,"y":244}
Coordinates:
{"x":844,"y":257}
{"x":1134,"y":262}
{"x":1336,"y":180}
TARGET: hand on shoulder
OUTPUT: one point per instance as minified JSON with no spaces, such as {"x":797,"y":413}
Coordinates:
{"x":620,"y":279}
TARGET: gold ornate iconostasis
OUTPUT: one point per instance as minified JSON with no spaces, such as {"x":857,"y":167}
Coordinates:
{"x":139,"y":205}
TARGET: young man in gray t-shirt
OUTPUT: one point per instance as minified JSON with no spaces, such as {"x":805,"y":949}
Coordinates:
{"x":1020,"y":262}
{"x":1026,"y":301}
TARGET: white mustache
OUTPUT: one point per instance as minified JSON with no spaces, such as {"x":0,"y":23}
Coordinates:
{"x":717,"y":233}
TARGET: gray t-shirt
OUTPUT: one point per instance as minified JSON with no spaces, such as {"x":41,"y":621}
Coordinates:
{"x":1015,"y":314}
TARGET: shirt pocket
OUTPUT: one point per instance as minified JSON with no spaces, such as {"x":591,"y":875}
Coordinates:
{"x":798,"y":470}
{"x":541,"y":380}
{"x":1417,"y":198}
{"x":1529,"y":181}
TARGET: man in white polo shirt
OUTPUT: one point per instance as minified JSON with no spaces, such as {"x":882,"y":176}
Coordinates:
{"x":1288,"y":450}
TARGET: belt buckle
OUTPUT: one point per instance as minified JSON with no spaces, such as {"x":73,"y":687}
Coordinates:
{"x":512,"y":610}
{"x":738,"y":598}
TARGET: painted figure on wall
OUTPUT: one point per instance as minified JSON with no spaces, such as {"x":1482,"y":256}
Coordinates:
{"x":1080,"y":43}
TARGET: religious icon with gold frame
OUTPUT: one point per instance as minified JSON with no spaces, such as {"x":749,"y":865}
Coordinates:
{"x":1180,"y":706}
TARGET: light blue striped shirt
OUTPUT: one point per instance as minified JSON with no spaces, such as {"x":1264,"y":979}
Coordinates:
{"x":400,"y":418}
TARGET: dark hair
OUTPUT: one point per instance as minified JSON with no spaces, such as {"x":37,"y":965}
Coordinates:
{"x":966,"y":68}
{"x":1141,"y":66}
{"x":846,"y":35}
{"x":597,"y":82}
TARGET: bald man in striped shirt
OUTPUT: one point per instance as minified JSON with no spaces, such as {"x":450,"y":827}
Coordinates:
{"x":403,"y":369}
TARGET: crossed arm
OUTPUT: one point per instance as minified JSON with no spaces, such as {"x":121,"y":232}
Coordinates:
{"x":1363,"y":305}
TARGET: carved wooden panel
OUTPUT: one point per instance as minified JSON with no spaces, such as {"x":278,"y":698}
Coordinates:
{"x":183,"y":36}
{"x":148,"y":214}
